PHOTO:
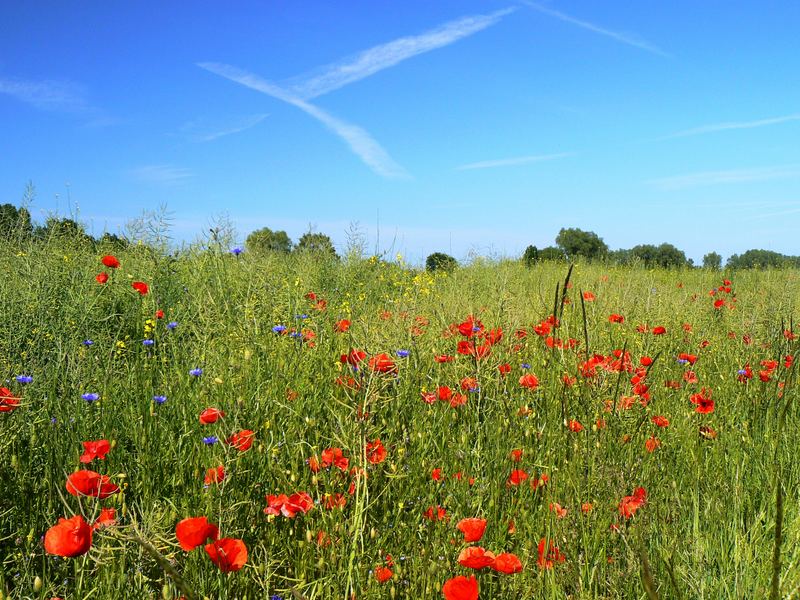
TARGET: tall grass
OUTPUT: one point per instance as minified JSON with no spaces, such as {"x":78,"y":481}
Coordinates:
{"x":707,"y":530}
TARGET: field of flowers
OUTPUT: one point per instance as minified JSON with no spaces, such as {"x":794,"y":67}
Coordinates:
{"x":223,"y":425}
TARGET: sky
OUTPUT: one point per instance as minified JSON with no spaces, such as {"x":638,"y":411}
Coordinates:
{"x":461,"y":126}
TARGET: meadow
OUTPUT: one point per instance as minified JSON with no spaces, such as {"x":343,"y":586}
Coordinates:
{"x":377,"y":431}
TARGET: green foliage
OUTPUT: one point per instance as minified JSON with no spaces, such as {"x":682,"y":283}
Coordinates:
{"x":551,"y":253}
{"x":316,"y":243}
{"x":530,"y":256}
{"x":15,"y":223}
{"x":578,"y":243}
{"x":266,"y":240}
{"x":439,"y":261}
{"x":665,"y":255}
{"x":713,"y":261}
{"x":760,"y":259}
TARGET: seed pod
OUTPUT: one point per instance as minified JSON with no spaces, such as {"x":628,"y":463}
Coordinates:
{"x":37,"y":584}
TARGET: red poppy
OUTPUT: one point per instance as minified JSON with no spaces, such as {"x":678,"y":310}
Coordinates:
{"x":615,"y":318}
{"x":469,"y":383}
{"x":659,"y":330}
{"x":588,"y":296}
{"x":141,"y":287}
{"x":470,"y":327}
{"x":660,"y":421}
{"x":332,"y":501}
{"x":241,"y":440}
{"x":97,"y":449}
{"x":689,"y":358}
{"x":195,"y":531}
{"x":630,"y":504}
{"x":703,"y":401}
{"x":71,"y":537}
{"x":89,"y":483}
{"x":376,"y":453}
{"x":335,"y":457}
{"x":435,"y":513}
{"x":341,"y":326}
{"x":383,"y":574}
{"x":516,"y":454}
{"x":289,"y":506}
{"x":211,"y":415}
{"x":475,"y":557}
{"x":159,"y":314}
{"x":507,"y":563}
{"x":107,"y":517}
{"x":354,"y":357}
{"x":529,"y":381}
{"x":228,"y":554}
{"x":472,"y":528}
{"x":101,"y":277}
{"x":549,"y":554}
{"x":559,"y":510}
{"x":517,"y":476}
{"x":8,"y":401}
{"x":382,"y":363}
{"x":443,"y":358}
{"x":645,"y":361}
{"x":652,"y":444}
{"x":504,"y":369}
{"x":461,"y":588}
{"x":110,"y":261}
{"x":575,"y":426}
{"x":214,"y":475}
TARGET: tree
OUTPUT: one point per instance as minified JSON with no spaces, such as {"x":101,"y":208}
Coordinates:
{"x":647,"y":253}
{"x":759,"y":259}
{"x":113,"y":241}
{"x":668,"y":256}
{"x":64,"y":229}
{"x":712,"y":260}
{"x":551,"y":253}
{"x":530,"y":256}
{"x":15,"y":223}
{"x":578,"y":243}
{"x":318,"y":243}
{"x":266,"y":240}
{"x":439,"y":261}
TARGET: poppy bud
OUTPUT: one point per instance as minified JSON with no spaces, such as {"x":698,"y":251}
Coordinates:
{"x":166,"y":593}
{"x":309,"y":536}
{"x":37,"y":584}
{"x":392,"y":593}
{"x":321,"y":563}
{"x":314,"y":480}
{"x":373,"y":533}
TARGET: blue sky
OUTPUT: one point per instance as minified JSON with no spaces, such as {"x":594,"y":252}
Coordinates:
{"x":457,"y":126}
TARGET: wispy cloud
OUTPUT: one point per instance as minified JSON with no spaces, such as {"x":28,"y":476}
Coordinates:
{"x":727,"y":177}
{"x":733,"y":125}
{"x":161,"y":174}
{"x":202,"y":131}
{"x":341,"y":73}
{"x":510,"y":162}
{"x":62,"y":96}
{"x":624,"y":38}
{"x":359,"y":141}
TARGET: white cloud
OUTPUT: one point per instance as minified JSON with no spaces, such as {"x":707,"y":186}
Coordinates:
{"x":733,"y":125}
{"x":63,"y":96}
{"x":161,"y":174}
{"x":508,"y":162}
{"x":203,"y":131}
{"x":726,"y":177}
{"x":341,"y":73}
{"x":359,"y":141}
{"x":624,"y":38}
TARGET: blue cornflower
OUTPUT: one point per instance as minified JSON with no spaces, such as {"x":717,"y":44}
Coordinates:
{"x":148,"y":342}
{"x":526,"y":365}
{"x":682,"y":361}
{"x":196,"y":372}
{"x":742,"y":372}
{"x":275,"y":597}
{"x":403,"y":353}
{"x":301,"y":316}
{"x":88,"y":343}
{"x":160,"y":399}
{"x":279,"y":328}
{"x":90,"y":397}
{"x":237,"y":250}
{"x":210,"y":440}
{"x":24,"y":378}
{"x":172,"y":325}
{"x":296,"y":334}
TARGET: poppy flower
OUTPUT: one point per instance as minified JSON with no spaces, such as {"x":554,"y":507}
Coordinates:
{"x":504,"y":369}
{"x":195,"y":531}
{"x":517,"y":476}
{"x":549,"y":554}
{"x":559,"y":510}
{"x":89,"y":483}
{"x":376,"y":453}
{"x":228,"y":554}
{"x":652,"y":444}
{"x":70,"y":537}
{"x":241,"y":440}
{"x":702,"y":399}
{"x":575,"y":426}
{"x":335,"y":457}
{"x":660,"y":421}
{"x":461,"y":588}
{"x":443,"y":358}
{"x":615,"y":318}
{"x":436,"y":513}
{"x":8,"y":401}
{"x":472,"y":528}
{"x":529,"y":381}
{"x":289,"y":506}
{"x":659,"y":330}
{"x":110,"y":261}
{"x":475,"y":557}
{"x":107,"y":517}
{"x":707,"y":433}
{"x":159,"y":314}
{"x":101,"y":278}
{"x":507,"y":563}
{"x":588,"y":296}
{"x":92,"y":450}
{"x":342,"y":326}
{"x":630,"y":504}
{"x":141,"y":287}
{"x":382,"y":363}
{"x":382,"y":574}
{"x":516,"y":454}
{"x":214,"y":475}
{"x":211,"y":415}
{"x":332,"y":501}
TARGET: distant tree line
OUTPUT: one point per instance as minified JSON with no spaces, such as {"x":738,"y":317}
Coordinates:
{"x":266,"y":240}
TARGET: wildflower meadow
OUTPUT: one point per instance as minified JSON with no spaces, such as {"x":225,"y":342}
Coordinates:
{"x":222,"y":424}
